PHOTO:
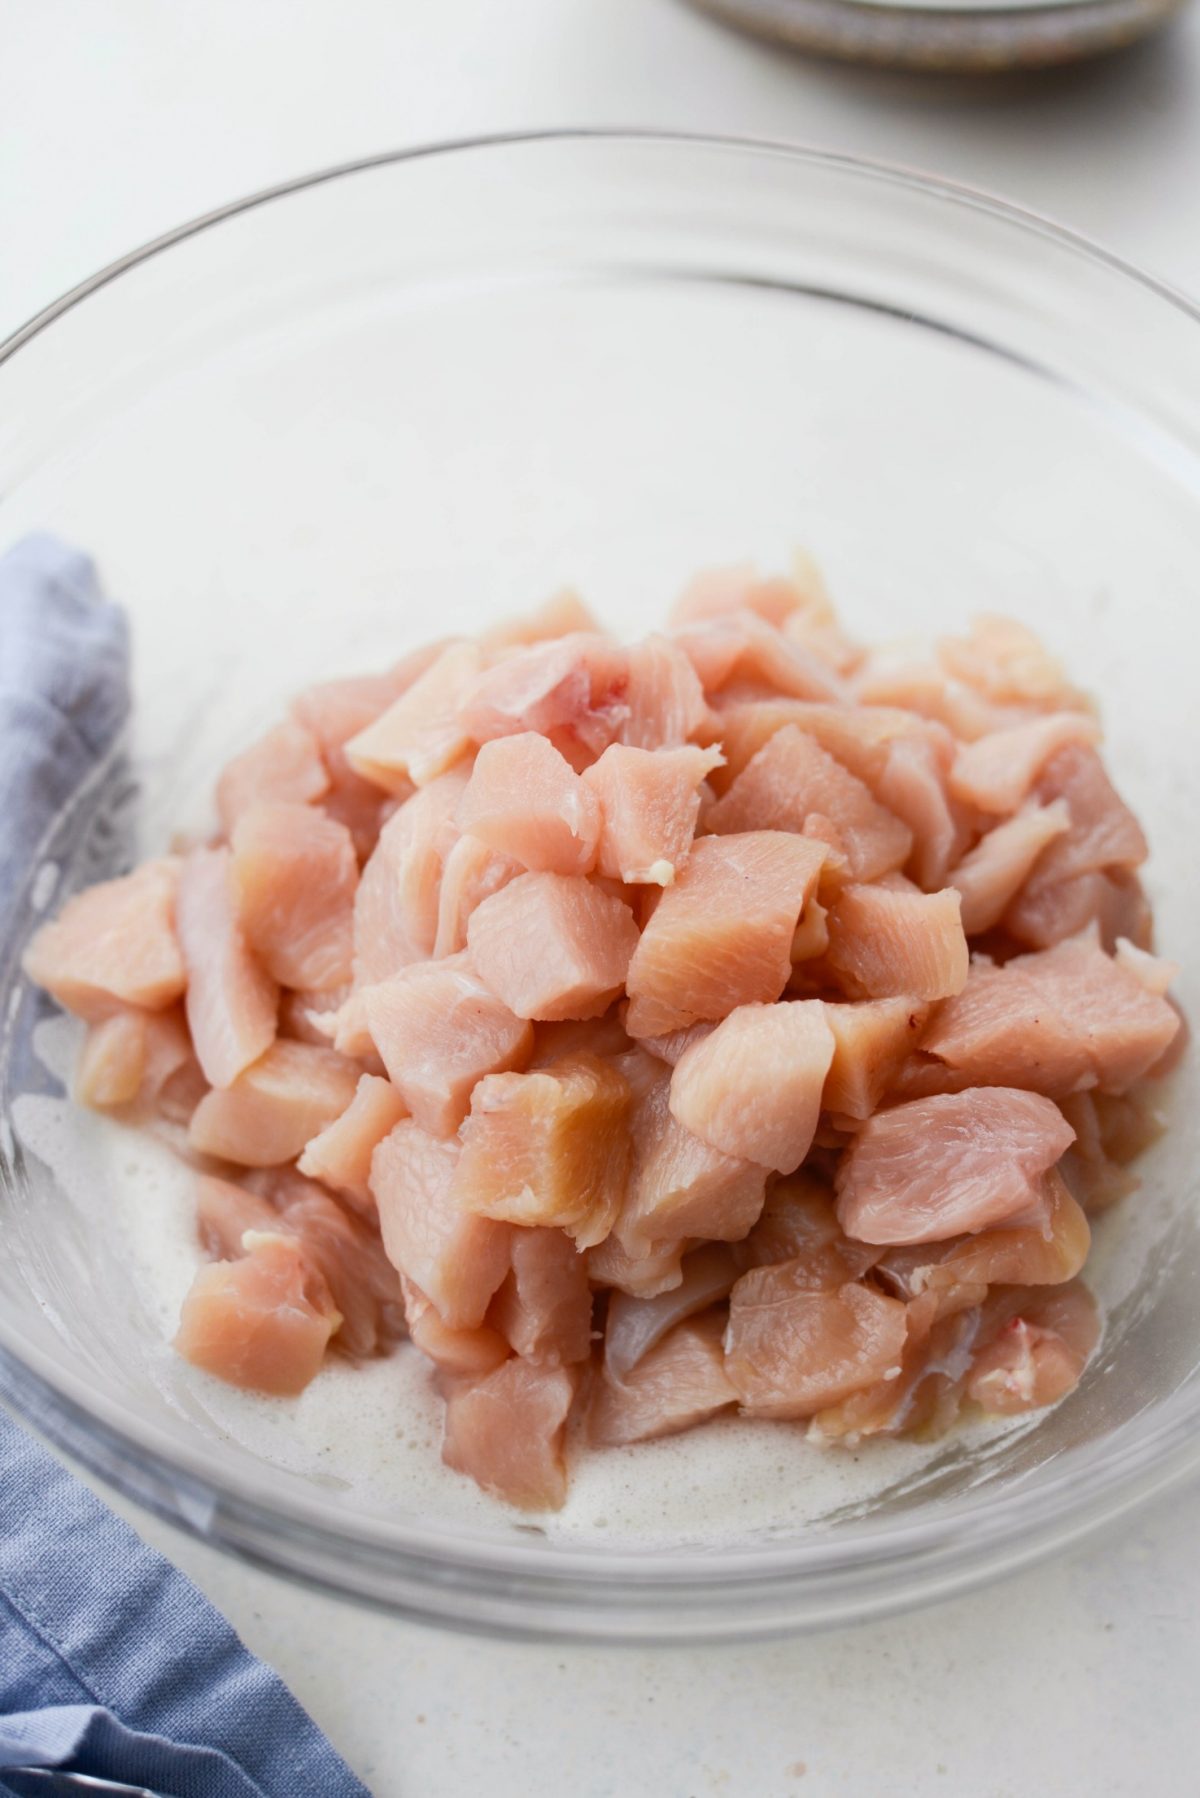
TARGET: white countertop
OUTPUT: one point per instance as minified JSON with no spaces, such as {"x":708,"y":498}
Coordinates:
{"x":118,"y":119}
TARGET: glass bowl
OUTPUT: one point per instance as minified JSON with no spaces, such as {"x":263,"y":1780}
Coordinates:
{"x":407,"y":396}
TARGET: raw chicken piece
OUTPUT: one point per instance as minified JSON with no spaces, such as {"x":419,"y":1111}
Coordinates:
{"x":658,"y":1269}
{"x":679,"y":1382}
{"x":858,"y":736}
{"x":672,"y":1047}
{"x":997,"y":772}
{"x":790,"y":778}
{"x":350,"y":1257}
{"x":562,"y":615}
{"x":294,"y":877}
{"x":635,"y":1325}
{"x":396,"y":907}
{"x":552,"y":946}
{"x":459,"y":1353}
{"x":263,"y":1321}
{"x":439,"y":1030}
{"x":799,"y":1225}
{"x":934,"y":1168}
{"x":1153,"y":972}
{"x":1048,"y":1250}
{"x":885,"y":943}
{"x":575,"y":683}
{"x":559,"y":1041}
{"x":471,"y":873}
{"x":1045,"y":914}
{"x":232,"y":1001}
{"x":284,"y":765}
{"x":308,"y":1017}
{"x":549,"y":1147}
{"x":905,"y":675}
{"x":649,"y":801}
{"x":525,"y":801}
{"x":1008,"y":663}
{"x":340,"y":1155}
{"x":130,"y":1056}
{"x":741,"y":651}
{"x":790,"y":1351}
{"x":922,"y":1395}
{"x":736,"y":587}
{"x":420,"y":735}
{"x":113,"y":945}
{"x":225,"y":1212}
{"x":665,"y":700}
{"x":275,"y":1106}
{"x":753,"y":1087}
{"x":336,"y":710}
{"x":991,"y":876}
{"x":721,"y":936}
{"x":679,"y":1186}
{"x":1037,"y":1356}
{"x":506,"y":1432}
{"x":871,"y":1042}
{"x":457,"y":1259}
{"x":544,"y":1308}
{"x":913,"y":786}
{"x":1104,"y":836}
{"x":1060,"y":1021}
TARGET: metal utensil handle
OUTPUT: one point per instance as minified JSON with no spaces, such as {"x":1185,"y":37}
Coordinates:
{"x":54,"y":1779}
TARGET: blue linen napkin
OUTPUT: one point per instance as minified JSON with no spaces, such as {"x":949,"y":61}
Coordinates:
{"x":111,"y":1662}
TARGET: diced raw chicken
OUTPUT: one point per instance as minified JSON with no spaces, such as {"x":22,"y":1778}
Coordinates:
{"x":1153,"y":972}
{"x":420,"y":735}
{"x":934,"y":1168}
{"x":679,"y":1382}
{"x":524,"y":800}
{"x":753,"y":1087}
{"x":1044,"y":1252}
{"x":294,"y":876}
{"x":263,"y":1321}
{"x":1004,"y":660}
{"x":791,"y":1351}
{"x":790,"y":778}
{"x":506,"y":1432}
{"x":439,"y":1030}
{"x":658,"y":1268}
{"x":1037,"y":1356}
{"x":721,"y":936}
{"x":350,"y":1257}
{"x":871,"y":1042}
{"x":559,"y":1041}
{"x":232,"y":1001}
{"x":113,"y":945}
{"x":740,"y":650}
{"x":396,"y":907}
{"x":635,"y":1325}
{"x":922,"y":1395}
{"x":993,"y":873}
{"x":885,"y":943}
{"x":997,"y":772}
{"x":734,"y":587}
{"x":1043,"y":915}
{"x":649,"y":801}
{"x":663,"y":695}
{"x":1059,"y":1021}
{"x":544,"y":1308}
{"x":672,"y":1047}
{"x":574,"y":683}
{"x":285,"y":765}
{"x":799,"y":1225}
{"x":1111,"y":1131}
{"x":130,"y":1056}
{"x":679,"y":1186}
{"x":1104,"y":836}
{"x":336,"y":710}
{"x":459,"y":1353}
{"x":471,"y":873}
{"x":308,"y":1017}
{"x":225,"y":1212}
{"x":340,"y":1155}
{"x":275,"y":1106}
{"x":549,"y":1147}
{"x":907,"y":676}
{"x":456,"y":1258}
{"x":552,"y":946}
{"x":913,"y":786}
{"x":562,"y":615}
{"x":858,"y":736}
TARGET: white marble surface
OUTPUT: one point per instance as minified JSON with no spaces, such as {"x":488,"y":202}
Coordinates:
{"x":118,"y":118}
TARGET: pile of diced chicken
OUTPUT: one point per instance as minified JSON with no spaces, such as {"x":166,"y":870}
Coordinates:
{"x":739,"y":1019}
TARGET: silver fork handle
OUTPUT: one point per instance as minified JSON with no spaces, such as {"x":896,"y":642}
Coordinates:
{"x":53,"y":1779}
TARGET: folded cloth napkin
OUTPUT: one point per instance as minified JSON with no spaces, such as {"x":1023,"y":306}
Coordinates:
{"x":112,"y":1664}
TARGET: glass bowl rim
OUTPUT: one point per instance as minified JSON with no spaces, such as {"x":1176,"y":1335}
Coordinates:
{"x":1089,"y":1486}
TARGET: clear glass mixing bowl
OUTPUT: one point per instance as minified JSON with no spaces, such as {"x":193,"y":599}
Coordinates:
{"x":403,"y":397}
